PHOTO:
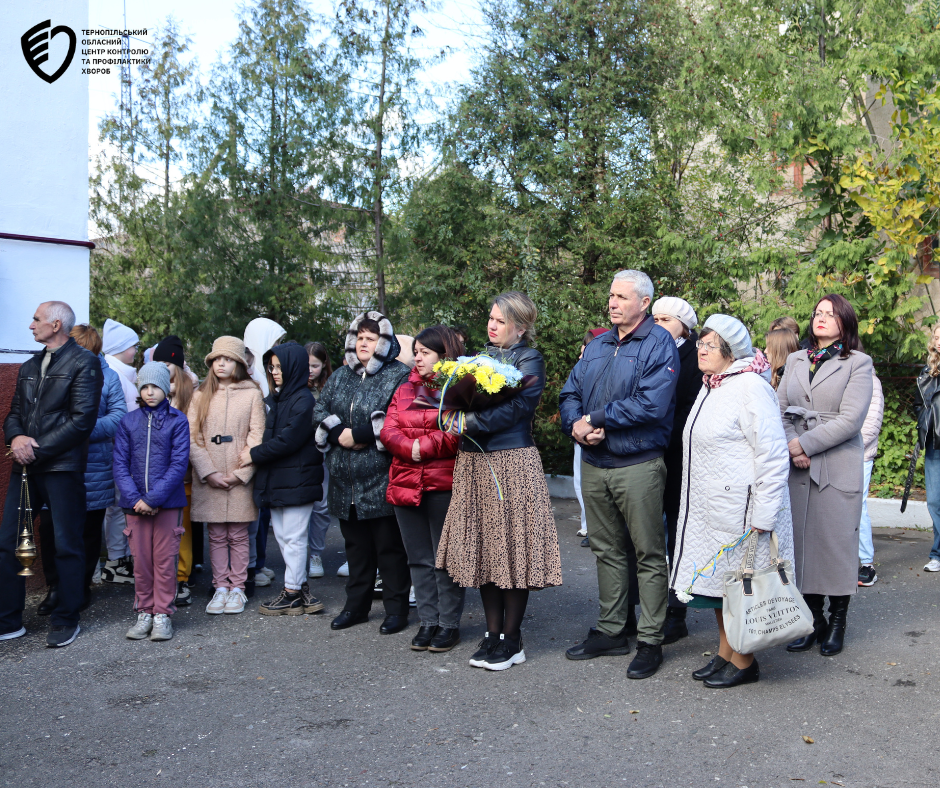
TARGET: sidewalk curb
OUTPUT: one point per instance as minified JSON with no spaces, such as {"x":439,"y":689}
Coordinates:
{"x":884,"y":512}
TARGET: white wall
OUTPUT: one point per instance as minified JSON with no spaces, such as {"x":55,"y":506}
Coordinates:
{"x":43,"y":171}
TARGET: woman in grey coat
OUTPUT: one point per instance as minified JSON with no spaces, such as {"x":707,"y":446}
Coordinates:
{"x":824,"y":397}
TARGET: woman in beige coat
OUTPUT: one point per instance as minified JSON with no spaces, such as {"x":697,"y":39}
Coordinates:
{"x":824,"y":397}
{"x":226,"y":415}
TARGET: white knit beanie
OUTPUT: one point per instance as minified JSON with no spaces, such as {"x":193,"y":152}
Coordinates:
{"x":117,"y":337}
{"x":678,"y":308}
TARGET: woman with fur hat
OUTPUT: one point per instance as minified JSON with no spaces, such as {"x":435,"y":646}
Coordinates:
{"x":151,"y":457}
{"x":349,"y":416}
{"x":290,"y":473}
{"x":678,"y":317}
{"x":225,"y":416}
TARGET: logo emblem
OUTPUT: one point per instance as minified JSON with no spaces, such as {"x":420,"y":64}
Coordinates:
{"x":35,"y":44}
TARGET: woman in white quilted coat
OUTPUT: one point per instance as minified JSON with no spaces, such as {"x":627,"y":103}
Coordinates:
{"x":735,"y":467}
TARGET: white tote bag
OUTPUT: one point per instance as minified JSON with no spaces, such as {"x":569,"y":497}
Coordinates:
{"x":762,"y":608}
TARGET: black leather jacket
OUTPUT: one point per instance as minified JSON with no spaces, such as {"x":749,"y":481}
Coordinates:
{"x":509,"y":424}
{"x":59,"y":411}
{"x":928,"y":409}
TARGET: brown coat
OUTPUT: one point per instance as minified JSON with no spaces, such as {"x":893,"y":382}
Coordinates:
{"x":827,"y":498}
{"x":236,"y":410}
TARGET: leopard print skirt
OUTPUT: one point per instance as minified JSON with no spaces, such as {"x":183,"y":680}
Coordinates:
{"x":512,"y":543}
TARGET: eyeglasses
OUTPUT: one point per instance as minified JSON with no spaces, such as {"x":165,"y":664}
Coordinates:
{"x":827,"y":316}
{"x":702,"y":343}
{"x":272,"y":369}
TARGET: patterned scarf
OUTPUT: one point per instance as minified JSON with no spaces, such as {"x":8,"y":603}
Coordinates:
{"x":821,"y":355}
{"x":758,"y":364}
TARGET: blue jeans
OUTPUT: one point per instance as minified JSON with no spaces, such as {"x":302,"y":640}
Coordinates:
{"x":866,"y":548}
{"x":932,"y":477}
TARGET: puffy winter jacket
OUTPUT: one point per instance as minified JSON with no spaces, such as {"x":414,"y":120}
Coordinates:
{"x":509,"y":424}
{"x":356,"y":397}
{"x":407,"y":479}
{"x":628,"y":386}
{"x":99,"y":473}
{"x":59,"y":410}
{"x":151,"y":457}
{"x":736,"y":467}
{"x":290,"y":468}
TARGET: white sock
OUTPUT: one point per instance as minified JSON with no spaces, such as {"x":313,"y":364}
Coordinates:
{"x":222,"y":588}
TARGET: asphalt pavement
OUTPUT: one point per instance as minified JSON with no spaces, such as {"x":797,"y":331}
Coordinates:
{"x":252,"y":700}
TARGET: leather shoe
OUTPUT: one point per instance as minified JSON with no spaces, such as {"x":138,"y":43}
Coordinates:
{"x":445,"y":639}
{"x":649,"y":656}
{"x":49,"y":602}
{"x":348,"y":619}
{"x":422,"y":640}
{"x":393,"y":624}
{"x":599,"y":645}
{"x":715,"y":664}
{"x":731,"y":676}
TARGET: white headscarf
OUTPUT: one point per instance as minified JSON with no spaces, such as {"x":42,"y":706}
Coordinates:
{"x":261,"y":334}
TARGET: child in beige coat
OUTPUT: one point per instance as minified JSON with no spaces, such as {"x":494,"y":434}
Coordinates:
{"x":226,"y":415}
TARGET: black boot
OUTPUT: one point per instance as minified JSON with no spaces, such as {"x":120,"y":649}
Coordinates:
{"x":815,"y":602}
{"x":675,"y":627}
{"x":831,"y":643}
{"x":49,"y":602}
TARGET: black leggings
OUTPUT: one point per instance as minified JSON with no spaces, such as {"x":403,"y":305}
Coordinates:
{"x":504,"y":609}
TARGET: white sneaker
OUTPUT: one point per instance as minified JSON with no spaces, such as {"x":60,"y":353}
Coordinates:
{"x":343,"y":571}
{"x":933,"y":565}
{"x":235,"y":602}
{"x":216,"y":605}
{"x":262,"y":578}
{"x":162,"y":627}
{"x":142,"y":628}
{"x":268,"y":572}
{"x":316,"y":567}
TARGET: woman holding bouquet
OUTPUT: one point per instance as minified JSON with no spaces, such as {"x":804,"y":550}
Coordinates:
{"x":419,"y":488}
{"x":500,"y":535}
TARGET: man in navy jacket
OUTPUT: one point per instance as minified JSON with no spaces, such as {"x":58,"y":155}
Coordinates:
{"x":618,"y":404}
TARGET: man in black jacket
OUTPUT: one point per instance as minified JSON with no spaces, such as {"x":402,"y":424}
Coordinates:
{"x":53,"y":412}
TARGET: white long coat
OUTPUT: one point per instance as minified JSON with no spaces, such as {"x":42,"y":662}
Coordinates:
{"x":735,"y":467}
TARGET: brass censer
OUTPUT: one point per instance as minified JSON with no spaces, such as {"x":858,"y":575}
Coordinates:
{"x":26,"y":544}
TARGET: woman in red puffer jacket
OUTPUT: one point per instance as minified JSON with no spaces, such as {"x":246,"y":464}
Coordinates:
{"x":419,"y":487}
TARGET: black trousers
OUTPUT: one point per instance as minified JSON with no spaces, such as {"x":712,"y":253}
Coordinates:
{"x":92,"y":540}
{"x":375,"y":544}
{"x":64,"y":493}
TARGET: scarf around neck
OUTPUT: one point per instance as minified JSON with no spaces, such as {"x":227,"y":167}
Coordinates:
{"x":758,"y":364}
{"x":819,"y":356}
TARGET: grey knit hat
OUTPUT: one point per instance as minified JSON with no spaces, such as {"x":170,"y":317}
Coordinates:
{"x":734,"y":332}
{"x":154,"y":374}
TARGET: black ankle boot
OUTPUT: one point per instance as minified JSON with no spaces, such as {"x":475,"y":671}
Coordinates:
{"x":675,"y":627}
{"x":815,"y":602}
{"x":49,"y":602}
{"x":831,"y":643}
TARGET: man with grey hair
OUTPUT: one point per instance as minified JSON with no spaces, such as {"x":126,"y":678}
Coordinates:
{"x":52,"y":415}
{"x":618,"y":403}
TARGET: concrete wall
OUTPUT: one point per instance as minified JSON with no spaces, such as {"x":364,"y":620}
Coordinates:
{"x":43,"y":171}
{"x":43,"y":182}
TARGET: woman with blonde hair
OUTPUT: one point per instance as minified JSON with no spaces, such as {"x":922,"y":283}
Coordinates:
{"x":225,"y":416}
{"x":928,"y":435}
{"x":780,"y":342}
{"x":504,"y":544}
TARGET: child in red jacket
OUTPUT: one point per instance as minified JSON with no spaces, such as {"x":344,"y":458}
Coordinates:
{"x":419,"y":487}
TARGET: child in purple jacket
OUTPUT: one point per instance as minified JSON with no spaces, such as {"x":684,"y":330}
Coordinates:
{"x":151,"y":455}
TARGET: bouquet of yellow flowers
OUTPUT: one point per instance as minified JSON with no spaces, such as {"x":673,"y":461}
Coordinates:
{"x":471,"y":383}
